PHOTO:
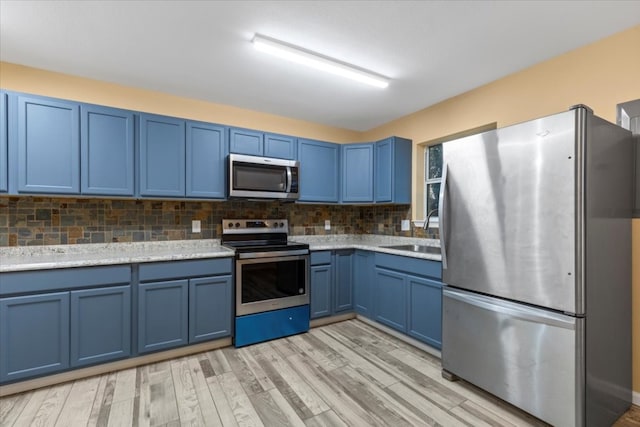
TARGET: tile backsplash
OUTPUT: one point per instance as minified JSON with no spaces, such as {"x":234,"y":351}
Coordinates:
{"x":26,"y":221}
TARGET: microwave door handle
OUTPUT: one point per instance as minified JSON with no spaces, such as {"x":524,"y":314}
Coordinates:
{"x":288,"y":179}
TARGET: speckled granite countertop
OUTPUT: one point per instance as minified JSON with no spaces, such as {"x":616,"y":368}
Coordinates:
{"x":368,"y":242}
{"x":64,"y":256}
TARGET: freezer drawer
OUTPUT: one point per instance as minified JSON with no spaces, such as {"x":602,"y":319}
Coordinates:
{"x":527,"y":356}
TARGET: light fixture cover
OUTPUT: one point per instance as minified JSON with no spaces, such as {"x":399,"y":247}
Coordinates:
{"x":317,"y":61}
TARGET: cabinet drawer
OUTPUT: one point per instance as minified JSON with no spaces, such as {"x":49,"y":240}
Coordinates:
{"x":180,"y":269}
{"x":24,"y":282}
{"x":416,"y":266}
{"x":320,"y":257}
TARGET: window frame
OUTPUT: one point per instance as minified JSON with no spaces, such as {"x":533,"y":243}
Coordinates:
{"x":434,"y":221}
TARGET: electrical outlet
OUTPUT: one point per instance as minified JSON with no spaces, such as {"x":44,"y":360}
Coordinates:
{"x":327,"y":224}
{"x":405,"y":225}
{"x":195,"y":226}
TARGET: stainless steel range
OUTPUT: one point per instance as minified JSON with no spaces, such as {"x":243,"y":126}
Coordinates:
{"x":272,"y":280}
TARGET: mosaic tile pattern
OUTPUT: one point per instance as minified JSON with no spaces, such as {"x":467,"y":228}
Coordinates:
{"x":27,"y":221}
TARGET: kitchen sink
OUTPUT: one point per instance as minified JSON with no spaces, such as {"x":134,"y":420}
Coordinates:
{"x":416,"y":248}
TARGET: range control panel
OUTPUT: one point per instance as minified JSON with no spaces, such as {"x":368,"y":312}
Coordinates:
{"x":241,"y":226}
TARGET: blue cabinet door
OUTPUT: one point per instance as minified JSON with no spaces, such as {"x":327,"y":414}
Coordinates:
{"x":48,"y":141}
{"x":4,"y":147}
{"x":357,"y":173}
{"x":162,"y":156}
{"x":319,"y":171}
{"x":320,"y":283}
{"x":363,"y":282}
{"x":384,"y":171}
{"x":210,"y":302}
{"x":280,"y":146}
{"x":34,"y":335}
{"x":100,"y":325}
{"x":162,"y":315}
{"x":391,"y":299}
{"x":206,"y":161}
{"x":343,"y":282}
{"x":425,"y":310}
{"x":107,"y":151}
{"x":392,"y":171}
{"x":245,"y":141}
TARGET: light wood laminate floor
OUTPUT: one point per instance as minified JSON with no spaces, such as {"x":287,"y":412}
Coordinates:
{"x":344,"y":374}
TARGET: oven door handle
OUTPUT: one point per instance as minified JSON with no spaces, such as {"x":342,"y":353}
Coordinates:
{"x":272,"y":254}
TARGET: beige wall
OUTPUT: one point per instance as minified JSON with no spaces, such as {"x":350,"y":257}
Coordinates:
{"x":600,"y":75}
{"x":31,"y":80}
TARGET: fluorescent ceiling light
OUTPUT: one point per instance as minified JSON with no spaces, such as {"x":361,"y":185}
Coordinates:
{"x":317,"y":61}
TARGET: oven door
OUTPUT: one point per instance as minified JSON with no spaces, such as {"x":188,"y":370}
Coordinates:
{"x":271,"y":283}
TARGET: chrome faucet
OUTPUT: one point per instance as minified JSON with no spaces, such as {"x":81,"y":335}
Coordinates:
{"x":425,"y":226}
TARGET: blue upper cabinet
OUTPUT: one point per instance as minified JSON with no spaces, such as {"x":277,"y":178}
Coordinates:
{"x":107,"y":151}
{"x":256,"y":143}
{"x":319,"y":171}
{"x":245,"y":141}
{"x":4,"y":147}
{"x":280,"y":146}
{"x":206,"y":161}
{"x":357,"y":173}
{"x":393,"y":171}
{"x":48,"y":145}
{"x":162,"y":156}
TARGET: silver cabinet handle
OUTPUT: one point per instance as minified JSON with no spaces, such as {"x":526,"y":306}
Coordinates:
{"x":519,"y":311}
{"x":289,"y":178}
{"x":441,"y":216}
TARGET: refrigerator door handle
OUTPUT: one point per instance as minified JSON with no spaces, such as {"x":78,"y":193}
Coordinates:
{"x":441,"y":216}
{"x":523,"y":312}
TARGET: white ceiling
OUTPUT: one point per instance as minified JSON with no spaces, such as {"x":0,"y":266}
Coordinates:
{"x":432,"y":50}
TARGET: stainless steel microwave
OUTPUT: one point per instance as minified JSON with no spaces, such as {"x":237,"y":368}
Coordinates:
{"x":263,"y":177}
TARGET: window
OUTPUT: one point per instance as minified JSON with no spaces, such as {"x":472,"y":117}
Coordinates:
{"x":433,"y":168}
{"x":432,"y":178}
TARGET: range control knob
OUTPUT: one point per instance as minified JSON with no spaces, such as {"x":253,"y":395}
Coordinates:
{"x":238,"y":224}
{"x":230,"y":225}
{"x":282,"y":224}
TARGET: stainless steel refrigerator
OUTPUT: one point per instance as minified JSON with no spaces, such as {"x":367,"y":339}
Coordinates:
{"x":535,"y":227}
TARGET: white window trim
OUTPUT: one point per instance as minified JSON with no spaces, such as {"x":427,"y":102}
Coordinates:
{"x":434,"y":222}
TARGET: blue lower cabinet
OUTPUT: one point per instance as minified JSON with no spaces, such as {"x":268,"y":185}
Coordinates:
{"x":210,"y":302}
{"x":269,"y":325}
{"x":34,"y":335}
{"x":343,"y":281}
{"x":162,"y":315}
{"x":425,"y":310}
{"x":320,"y":284}
{"x":363,"y":282}
{"x":100,"y":325}
{"x":391,"y":299}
